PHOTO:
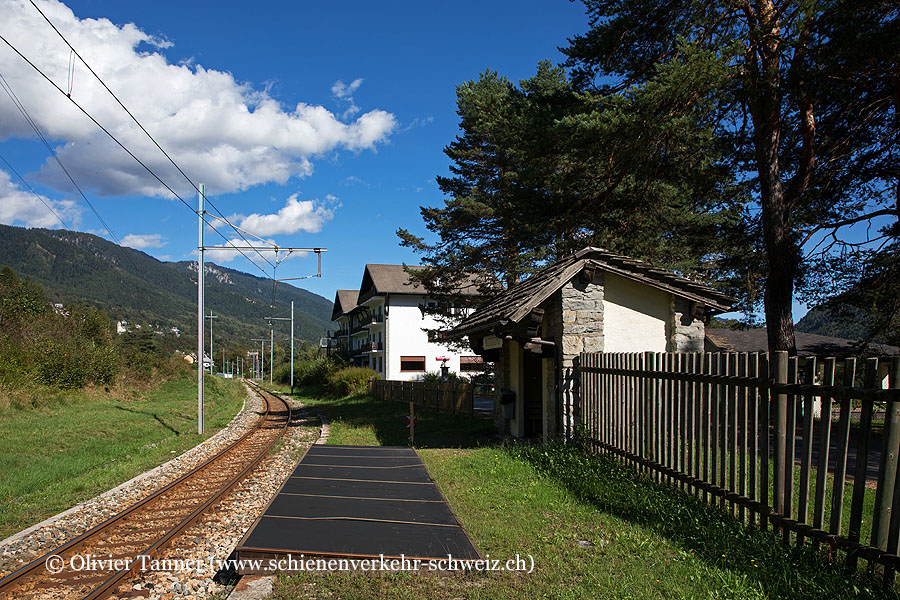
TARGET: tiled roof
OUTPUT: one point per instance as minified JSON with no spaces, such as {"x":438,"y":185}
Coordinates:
{"x":808,"y":344}
{"x":392,"y":279}
{"x":344,"y":302}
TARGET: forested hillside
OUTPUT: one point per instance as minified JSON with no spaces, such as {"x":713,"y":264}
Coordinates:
{"x":131,"y":285}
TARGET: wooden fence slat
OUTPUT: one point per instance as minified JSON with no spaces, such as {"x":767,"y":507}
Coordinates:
{"x":743,"y":360}
{"x":893,"y":537}
{"x":706,"y":394}
{"x":723,"y":426}
{"x":682,"y":417}
{"x":825,"y":416}
{"x":765,"y":404}
{"x":780,"y":400}
{"x":696,"y":357}
{"x":887,"y":469}
{"x":753,"y":410}
{"x":790,"y":437}
{"x":714,"y":423}
{"x":732,"y":429}
{"x":840,"y":469}
{"x":862,"y":464}
{"x":806,"y":456}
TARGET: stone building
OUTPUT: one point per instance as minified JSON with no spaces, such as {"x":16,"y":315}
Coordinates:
{"x":591,"y":301}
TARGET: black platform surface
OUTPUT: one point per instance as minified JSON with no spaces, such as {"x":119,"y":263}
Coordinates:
{"x":359,"y":501}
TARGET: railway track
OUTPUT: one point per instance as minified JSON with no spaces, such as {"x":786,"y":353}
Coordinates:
{"x":146,"y":528}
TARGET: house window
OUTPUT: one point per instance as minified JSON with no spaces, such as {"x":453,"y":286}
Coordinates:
{"x":412,"y":363}
{"x":471,"y":363}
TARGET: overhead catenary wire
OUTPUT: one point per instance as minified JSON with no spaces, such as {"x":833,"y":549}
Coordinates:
{"x":138,"y":123}
{"x":15,"y":100}
{"x":121,"y":145}
{"x":31,"y":189}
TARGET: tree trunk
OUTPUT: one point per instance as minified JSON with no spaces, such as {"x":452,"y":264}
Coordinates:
{"x":765,"y":109}
{"x":781,"y":252}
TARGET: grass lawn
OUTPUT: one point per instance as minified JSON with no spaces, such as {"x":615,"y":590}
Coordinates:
{"x":58,"y":454}
{"x":643,"y":540}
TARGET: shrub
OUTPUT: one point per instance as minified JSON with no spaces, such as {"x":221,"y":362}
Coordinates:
{"x":350,"y":380}
{"x":63,"y":365}
{"x":105,"y":365}
{"x":451,"y":378}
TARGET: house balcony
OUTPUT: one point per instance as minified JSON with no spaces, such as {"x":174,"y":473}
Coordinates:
{"x":340,"y":333}
{"x":372,"y":347}
{"x":361,"y":328}
{"x":374,"y":321}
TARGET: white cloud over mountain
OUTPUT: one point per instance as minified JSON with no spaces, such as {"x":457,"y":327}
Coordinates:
{"x":139,"y":242}
{"x":220,"y":131}
{"x":19,"y":206}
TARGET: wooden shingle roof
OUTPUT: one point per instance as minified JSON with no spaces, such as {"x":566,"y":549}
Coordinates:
{"x":515,"y":304}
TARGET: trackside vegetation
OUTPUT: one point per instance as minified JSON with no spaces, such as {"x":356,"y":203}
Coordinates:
{"x":595,"y":528}
{"x":63,"y":452}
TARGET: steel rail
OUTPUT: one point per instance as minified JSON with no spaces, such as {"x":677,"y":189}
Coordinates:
{"x":109,"y":585}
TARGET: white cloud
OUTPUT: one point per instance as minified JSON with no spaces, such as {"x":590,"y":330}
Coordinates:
{"x":133,"y":240}
{"x":295,"y":216}
{"x":19,"y":206}
{"x":345,"y":90}
{"x":418,"y":122}
{"x":220,"y":131}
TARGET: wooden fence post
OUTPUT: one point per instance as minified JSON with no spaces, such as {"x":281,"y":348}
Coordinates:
{"x":862,"y":463}
{"x":780,"y":376}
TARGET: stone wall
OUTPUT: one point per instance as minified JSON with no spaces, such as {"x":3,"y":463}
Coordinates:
{"x":581,"y":308}
{"x":685,"y":333}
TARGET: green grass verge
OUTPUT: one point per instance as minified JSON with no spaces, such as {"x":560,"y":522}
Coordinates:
{"x":647,"y":540}
{"x":57,"y":455}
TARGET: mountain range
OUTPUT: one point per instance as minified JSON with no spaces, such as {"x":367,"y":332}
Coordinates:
{"x":133,"y":286}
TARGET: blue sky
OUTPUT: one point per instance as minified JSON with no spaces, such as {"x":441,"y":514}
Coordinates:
{"x":311,"y":123}
{"x":401,"y":60}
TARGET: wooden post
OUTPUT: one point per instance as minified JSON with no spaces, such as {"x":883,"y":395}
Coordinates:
{"x":412,"y":422}
{"x":781,"y":374}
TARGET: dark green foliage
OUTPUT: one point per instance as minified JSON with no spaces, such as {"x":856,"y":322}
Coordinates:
{"x":63,"y":364}
{"x":541,"y":170}
{"x":452,"y":377}
{"x":65,"y":348}
{"x":141,"y":352}
{"x":800,"y":102}
{"x":350,"y":380}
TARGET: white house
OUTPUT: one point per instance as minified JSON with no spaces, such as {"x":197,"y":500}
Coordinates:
{"x":384,"y":325}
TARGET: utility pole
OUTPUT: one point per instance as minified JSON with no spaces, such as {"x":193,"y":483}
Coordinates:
{"x":291,"y":319}
{"x":210,"y":316}
{"x":271,"y":353}
{"x":262,"y":353}
{"x":200,"y":318}
{"x":292,"y":347}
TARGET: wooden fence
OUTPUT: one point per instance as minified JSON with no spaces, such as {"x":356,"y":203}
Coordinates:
{"x":722,"y":426}
{"x":441,"y":397}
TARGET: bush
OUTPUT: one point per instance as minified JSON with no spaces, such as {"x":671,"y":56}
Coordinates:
{"x":63,"y":365}
{"x":350,"y":380}
{"x":452,"y":377}
{"x":105,"y":365}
